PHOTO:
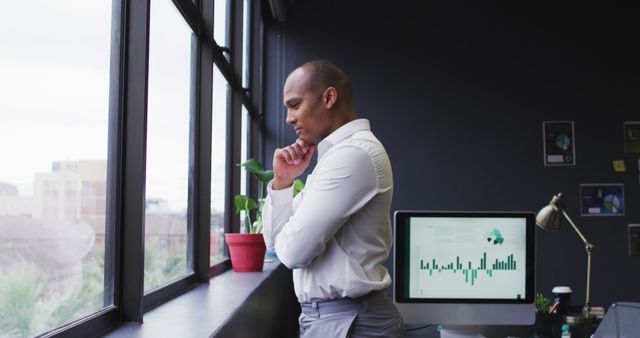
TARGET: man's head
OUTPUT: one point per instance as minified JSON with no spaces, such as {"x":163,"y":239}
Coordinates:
{"x":318,"y":99}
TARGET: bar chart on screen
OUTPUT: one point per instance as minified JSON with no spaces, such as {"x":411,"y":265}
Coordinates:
{"x":468,"y":270}
{"x":475,"y":257}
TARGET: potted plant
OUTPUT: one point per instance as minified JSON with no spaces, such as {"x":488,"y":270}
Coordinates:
{"x":247,"y":249}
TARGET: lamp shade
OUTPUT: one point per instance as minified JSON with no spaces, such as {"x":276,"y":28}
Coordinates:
{"x":550,"y":217}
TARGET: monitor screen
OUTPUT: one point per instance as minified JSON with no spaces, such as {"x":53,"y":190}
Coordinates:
{"x":465,"y":267}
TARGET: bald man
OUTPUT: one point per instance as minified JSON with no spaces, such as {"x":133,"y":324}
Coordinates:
{"x":336,"y":234}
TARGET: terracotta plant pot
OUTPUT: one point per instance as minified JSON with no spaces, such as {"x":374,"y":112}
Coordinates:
{"x":246,"y":251}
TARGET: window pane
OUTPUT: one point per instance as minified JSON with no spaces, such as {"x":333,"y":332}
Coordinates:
{"x":244,"y":156}
{"x":54,"y":80}
{"x":165,"y":252}
{"x":244,"y":149}
{"x":246,"y":40}
{"x":220,"y":22}
{"x":218,"y":166}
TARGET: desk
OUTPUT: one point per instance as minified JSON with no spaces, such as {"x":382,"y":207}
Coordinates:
{"x":551,"y":327}
{"x":488,"y":331}
{"x":583,"y":330}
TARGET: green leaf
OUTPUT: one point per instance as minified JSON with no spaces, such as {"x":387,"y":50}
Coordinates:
{"x":264,"y":176}
{"x":255,"y":167}
{"x":252,"y":165}
{"x":242,"y":202}
{"x":297,"y":187}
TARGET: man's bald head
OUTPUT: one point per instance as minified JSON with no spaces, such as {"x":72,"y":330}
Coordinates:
{"x":317,"y":96}
{"x":323,"y":74}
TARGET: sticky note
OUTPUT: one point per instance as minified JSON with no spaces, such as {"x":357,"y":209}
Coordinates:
{"x":618,"y":166}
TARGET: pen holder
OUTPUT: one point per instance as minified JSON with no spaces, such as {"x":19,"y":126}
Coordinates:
{"x":543,"y":325}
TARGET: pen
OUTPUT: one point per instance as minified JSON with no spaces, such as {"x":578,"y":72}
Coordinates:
{"x":553,"y":307}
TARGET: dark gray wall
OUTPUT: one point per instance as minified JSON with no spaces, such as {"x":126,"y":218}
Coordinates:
{"x":457,"y":92}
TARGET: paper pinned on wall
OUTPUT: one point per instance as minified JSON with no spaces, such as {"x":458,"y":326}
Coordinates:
{"x":559,"y":143}
{"x":631,"y":137}
{"x":618,"y":166}
{"x":601,"y":199}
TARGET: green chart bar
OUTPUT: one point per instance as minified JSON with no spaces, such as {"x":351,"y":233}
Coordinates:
{"x":508,"y":264}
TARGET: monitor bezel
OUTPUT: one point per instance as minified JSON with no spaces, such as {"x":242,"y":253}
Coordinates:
{"x":400,"y":255}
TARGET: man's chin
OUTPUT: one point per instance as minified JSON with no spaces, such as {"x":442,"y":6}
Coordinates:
{"x":306,"y":140}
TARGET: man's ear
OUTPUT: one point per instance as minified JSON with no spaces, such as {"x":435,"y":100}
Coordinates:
{"x":330,"y":97}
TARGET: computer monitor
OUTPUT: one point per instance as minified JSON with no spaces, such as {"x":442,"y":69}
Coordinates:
{"x":465,"y":268}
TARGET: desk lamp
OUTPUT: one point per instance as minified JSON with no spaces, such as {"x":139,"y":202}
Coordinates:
{"x":549,"y":218}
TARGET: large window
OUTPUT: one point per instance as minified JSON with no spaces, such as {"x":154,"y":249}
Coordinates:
{"x":54,"y":82}
{"x":165,"y":250}
{"x":103,"y":213}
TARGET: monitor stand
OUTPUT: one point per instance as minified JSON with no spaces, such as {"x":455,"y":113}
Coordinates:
{"x":484,"y":331}
{"x":462,"y":331}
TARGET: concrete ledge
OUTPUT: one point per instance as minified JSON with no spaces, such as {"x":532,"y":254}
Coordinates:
{"x":247,"y":304}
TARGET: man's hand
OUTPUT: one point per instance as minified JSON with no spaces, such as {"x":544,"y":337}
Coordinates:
{"x":290,"y":162}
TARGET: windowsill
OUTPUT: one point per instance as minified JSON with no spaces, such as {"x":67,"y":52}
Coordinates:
{"x":203,"y":311}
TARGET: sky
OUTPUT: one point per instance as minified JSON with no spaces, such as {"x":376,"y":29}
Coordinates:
{"x":53,"y":84}
{"x":54,"y":90}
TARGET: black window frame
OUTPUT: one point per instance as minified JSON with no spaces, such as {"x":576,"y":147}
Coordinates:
{"x":128,"y":84}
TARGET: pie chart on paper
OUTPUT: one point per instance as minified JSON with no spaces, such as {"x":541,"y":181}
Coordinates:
{"x":563,"y":142}
{"x":612,"y":204}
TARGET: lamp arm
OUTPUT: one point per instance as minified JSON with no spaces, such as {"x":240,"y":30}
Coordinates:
{"x":586,"y":310}
{"x":575,"y":227}
{"x":587,"y":307}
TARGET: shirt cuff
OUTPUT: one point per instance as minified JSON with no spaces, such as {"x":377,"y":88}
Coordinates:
{"x":279,"y":197}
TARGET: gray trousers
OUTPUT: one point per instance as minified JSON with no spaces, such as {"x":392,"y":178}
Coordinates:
{"x":372,"y":315}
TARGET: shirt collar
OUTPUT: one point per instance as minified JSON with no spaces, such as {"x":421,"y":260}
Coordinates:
{"x":342,"y":133}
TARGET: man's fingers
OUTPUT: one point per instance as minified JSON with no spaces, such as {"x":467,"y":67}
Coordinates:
{"x":299,"y":152}
{"x":295,"y":153}
{"x":284,"y":154}
{"x":303,"y":145}
{"x":289,"y":154}
{"x":309,"y":152}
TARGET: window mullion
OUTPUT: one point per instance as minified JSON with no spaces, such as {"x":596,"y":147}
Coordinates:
{"x":201,"y":140}
{"x":190,"y":13}
{"x":133,"y":156}
{"x":235,"y":117}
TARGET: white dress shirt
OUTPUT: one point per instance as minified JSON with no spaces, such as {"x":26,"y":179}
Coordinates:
{"x":336,"y":234}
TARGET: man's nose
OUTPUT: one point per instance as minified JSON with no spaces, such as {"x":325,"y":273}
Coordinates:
{"x":290,"y":119}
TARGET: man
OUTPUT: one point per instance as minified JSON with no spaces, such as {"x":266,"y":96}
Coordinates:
{"x":336,"y":234}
